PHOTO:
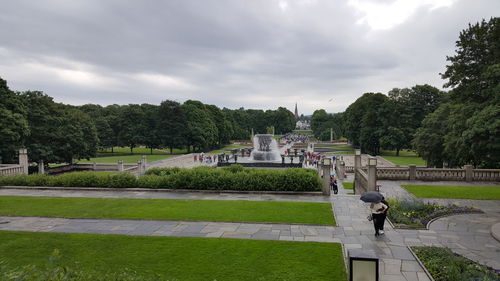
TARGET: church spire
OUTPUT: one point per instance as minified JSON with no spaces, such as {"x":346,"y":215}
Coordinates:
{"x":296,"y":112}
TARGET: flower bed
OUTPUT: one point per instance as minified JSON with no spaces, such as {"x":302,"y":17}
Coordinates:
{"x":417,"y":214}
{"x":444,"y":265}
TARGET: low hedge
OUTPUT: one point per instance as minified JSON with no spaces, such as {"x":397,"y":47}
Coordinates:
{"x":201,"y":178}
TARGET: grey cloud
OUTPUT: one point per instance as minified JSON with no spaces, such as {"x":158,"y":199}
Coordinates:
{"x":228,"y":53}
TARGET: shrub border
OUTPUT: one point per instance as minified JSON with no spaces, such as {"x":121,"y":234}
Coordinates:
{"x":313,"y":193}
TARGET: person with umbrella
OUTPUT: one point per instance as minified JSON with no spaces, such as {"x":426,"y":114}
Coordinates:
{"x":377,"y":208}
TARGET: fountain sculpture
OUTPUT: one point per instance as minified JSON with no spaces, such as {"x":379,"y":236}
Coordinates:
{"x":265,"y":149}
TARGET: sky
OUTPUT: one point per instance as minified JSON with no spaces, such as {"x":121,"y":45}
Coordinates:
{"x":258,"y":54}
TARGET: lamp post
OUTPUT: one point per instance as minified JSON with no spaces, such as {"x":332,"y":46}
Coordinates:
{"x":363,"y":265}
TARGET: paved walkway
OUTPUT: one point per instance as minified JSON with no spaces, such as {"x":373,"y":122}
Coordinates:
{"x":465,"y":234}
{"x":141,"y":194}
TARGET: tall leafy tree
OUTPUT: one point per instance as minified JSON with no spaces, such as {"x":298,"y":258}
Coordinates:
{"x":13,"y":123}
{"x":471,"y":116}
{"x":171,"y":125}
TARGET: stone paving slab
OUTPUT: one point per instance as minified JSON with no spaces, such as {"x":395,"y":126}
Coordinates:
{"x":161,"y":195}
{"x":169,"y":228}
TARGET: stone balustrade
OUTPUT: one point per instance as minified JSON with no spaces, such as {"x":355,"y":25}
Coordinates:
{"x":14,"y":169}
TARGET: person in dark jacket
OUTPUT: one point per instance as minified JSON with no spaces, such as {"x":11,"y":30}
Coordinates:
{"x":384,"y":215}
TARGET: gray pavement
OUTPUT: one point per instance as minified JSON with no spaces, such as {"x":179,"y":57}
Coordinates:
{"x":143,"y":194}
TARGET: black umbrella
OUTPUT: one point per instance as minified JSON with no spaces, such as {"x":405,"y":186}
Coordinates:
{"x":371,"y":197}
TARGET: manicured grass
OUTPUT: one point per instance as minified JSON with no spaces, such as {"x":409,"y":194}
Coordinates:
{"x":342,"y":152}
{"x":302,"y":132}
{"x":455,"y":191}
{"x":169,"y":209}
{"x":179,"y":258}
{"x":347,"y":185}
{"x":126,"y":158}
{"x":405,"y":158}
{"x":141,"y":151}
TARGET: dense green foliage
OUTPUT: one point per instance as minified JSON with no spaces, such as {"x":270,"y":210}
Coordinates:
{"x":466,"y":130}
{"x":169,"y":209}
{"x":201,"y":178}
{"x":416,"y":214}
{"x":455,"y":191}
{"x":322,"y":124}
{"x":444,"y":265}
{"x":375,"y":121}
{"x":52,"y":132}
{"x":179,"y":258}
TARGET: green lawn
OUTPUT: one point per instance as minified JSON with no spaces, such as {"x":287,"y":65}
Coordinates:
{"x":126,"y":158}
{"x":454,"y":191}
{"x":179,"y":258}
{"x":405,"y":158}
{"x":347,"y":185}
{"x":341,"y":152}
{"x":140,"y":150}
{"x":169,"y":209}
{"x":302,"y":132}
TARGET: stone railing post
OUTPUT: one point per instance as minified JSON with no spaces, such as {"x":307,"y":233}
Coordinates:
{"x":357,"y":159}
{"x":144,"y":162}
{"x":372,"y":174}
{"x":41,"y":168}
{"x":23,"y":159}
{"x":469,"y":172}
{"x":120,"y":166}
{"x":140,"y":166}
{"x":326,"y":179}
{"x":412,"y":172}
{"x":341,"y":170}
{"x":94,"y":166}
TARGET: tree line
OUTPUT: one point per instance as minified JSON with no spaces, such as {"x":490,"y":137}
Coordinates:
{"x":56,"y":132}
{"x":453,"y":128}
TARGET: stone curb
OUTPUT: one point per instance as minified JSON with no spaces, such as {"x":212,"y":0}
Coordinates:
{"x":119,"y":189}
{"x":421,"y":264}
{"x":180,"y":221}
{"x":495,"y":231}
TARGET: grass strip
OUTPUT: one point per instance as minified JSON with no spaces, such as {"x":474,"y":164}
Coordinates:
{"x":455,"y":191}
{"x":169,"y":209}
{"x":179,"y":258}
{"x":126,"y":158}
{"x":347,"y":185}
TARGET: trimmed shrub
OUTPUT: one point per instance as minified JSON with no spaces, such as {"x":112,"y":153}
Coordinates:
{"x":200,"y":178}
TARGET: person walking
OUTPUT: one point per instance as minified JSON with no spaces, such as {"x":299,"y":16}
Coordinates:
{"x":384,"y":215}
{"x":334,"y":185}
{"x":378,"y":210}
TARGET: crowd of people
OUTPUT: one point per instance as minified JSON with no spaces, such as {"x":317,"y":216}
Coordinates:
{"x":298,"y":138}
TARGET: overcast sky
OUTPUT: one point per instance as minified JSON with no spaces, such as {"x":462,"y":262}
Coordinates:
{"x":249,"y":53}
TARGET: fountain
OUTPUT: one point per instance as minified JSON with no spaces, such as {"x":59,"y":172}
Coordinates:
{"x":265,"y":149}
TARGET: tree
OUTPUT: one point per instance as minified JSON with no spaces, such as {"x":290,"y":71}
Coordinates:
{"x":470,"y":118}
{"x":132,"y":127}
{"x":171,"y":124}
{"x":201,"y":131}
{"x":13,"y":124}
{"x":150,"y":133}
{"x":478,"y":52}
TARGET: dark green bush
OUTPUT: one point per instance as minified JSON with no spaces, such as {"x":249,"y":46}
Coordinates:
{"x":200,"y":178}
